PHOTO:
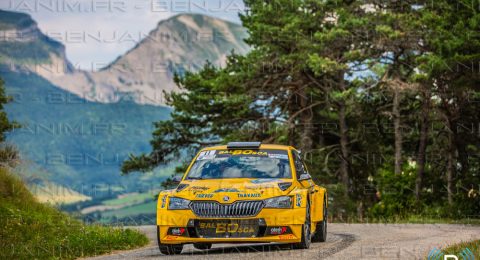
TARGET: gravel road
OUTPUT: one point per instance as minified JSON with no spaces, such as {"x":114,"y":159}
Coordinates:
{"x":345,"y":241}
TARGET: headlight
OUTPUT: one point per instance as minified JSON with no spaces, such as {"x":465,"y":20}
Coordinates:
{"x":283,"y":202}
{"x":178,"y":203}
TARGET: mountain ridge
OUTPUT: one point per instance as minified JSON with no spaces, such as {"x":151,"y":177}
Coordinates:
{"x":23,"y":47}
{"x":159,"y":24}
{"x":142,"y":74}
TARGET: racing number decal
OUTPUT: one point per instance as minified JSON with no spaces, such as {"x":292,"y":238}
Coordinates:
{"x":232,"y":228}
{"x":221,"y":228}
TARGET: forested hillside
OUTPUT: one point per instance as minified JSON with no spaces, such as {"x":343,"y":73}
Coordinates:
{"x":73,"y":142}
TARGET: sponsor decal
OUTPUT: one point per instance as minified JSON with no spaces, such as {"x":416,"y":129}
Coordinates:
{"x":171,"y":237}
{"x":244,"y":152}
{"x":286,"y":237}
{"x":249,"y":195}
{"x":224,"y":228}
{"x":178,"y":231}
{"x":278,"y":230}
{"x":259,"y":187}
{"x":226,"y":190}
{"x":278,"y":156}
{"x":206,"y":155}
{"x":204,"y":196}
{"x":197,"y":188}
{"x":265,"y":180}
{"x":299,"y":200}
{"x":227,"y":227}
{"x":164,"y":201}
{"x":274,"y":154}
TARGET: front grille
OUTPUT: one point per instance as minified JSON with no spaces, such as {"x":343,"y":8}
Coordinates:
{"x":212,"y":209}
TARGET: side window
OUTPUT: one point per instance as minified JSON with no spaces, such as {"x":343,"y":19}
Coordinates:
{"x":299,"y":167}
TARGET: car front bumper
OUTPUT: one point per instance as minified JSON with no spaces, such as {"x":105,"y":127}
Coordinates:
{"x":229,"y":230}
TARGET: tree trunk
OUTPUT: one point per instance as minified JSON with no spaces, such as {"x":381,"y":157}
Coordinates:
{"x":344,"y":150}
{"x":291,"y":125}
{"x":306,"y":142}
{"x":451,"y":161}
{"x":360,"y":210}
{"x":422,"y":147}
{"x":291,"y":134}
{"x":398,"y":130}
{"x":344,"y":147}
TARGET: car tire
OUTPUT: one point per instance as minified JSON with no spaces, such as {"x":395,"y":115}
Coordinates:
{"x":202,"y":246}
{"x":168,"y":249}
{"x":321,"y":228}
{"x":306,"y":231}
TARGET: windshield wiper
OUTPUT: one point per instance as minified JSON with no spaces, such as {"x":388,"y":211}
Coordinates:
{"x":194,"y":178}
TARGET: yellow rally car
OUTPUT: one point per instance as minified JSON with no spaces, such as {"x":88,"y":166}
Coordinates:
{"x":244,"y":192}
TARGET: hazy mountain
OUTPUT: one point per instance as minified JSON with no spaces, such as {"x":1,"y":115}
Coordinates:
{"x":23,"y":47}
{"x":183,"y":42}
{"x":78,"y":126}
{"x":179,"y":43}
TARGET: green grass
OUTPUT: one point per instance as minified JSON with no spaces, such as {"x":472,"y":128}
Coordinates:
{"x":31,"y":230}
{"x":456,"y":249}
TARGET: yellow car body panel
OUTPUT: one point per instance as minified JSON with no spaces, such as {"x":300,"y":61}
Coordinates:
{"x":240,"y":190}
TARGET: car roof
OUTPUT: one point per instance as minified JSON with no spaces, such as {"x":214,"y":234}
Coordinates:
{"x":262,"y":146}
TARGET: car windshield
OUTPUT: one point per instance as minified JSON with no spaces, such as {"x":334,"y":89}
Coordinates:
{"x":224,"y":164}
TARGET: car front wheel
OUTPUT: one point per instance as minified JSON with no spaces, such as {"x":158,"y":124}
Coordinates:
{"x":306,"y":231}
{"x":168,"y":249}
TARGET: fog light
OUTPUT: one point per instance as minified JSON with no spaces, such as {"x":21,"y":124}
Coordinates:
{"x":261,"y":222}
{"x":178,"y":231}
{"x":191,"y":223}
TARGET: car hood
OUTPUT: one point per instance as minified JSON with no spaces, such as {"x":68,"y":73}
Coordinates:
{"x":230,"y":190}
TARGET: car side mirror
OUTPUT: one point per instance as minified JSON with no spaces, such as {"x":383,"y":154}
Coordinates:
{"x":177,"y":178}
{"x":304,"y":177}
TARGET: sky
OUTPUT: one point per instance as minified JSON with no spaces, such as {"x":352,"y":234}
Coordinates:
{"x":96,"y":32}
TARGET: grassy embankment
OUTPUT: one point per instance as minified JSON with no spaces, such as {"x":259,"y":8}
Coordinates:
{"x":29,"y":229}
